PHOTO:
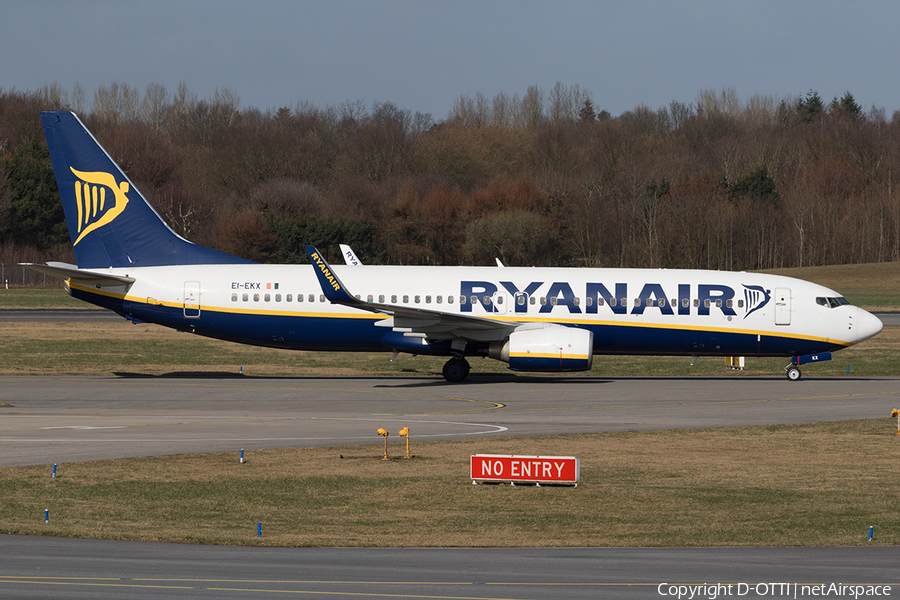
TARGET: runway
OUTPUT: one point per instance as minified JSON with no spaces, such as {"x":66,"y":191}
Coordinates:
{"x":61,"y":419}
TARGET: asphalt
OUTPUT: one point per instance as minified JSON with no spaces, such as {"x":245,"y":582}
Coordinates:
{"x":38,"y":567}
{"x":61,"y":419}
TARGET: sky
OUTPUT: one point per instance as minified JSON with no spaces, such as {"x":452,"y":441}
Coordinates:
{"x":422,"y":54}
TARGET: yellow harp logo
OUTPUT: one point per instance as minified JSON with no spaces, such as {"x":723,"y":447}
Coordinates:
{"x":90,"y":197}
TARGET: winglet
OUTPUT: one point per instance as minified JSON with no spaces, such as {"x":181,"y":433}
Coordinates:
{"x":332,"y":287}
{"x":350,"y":256}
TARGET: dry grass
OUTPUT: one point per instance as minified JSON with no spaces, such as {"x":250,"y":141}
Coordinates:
{"x":873,"y":286}
{"x":808,"y":485}
{"x":108,"y":348}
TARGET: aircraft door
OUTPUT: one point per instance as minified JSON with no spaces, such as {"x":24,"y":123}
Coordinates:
{"x":782,"y":306}
{"x":192,"y":299}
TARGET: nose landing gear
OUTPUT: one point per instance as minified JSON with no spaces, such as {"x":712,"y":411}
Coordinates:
{"x":792,"y":372}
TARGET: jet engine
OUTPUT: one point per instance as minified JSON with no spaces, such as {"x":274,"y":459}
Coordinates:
{"x":546,"y":348}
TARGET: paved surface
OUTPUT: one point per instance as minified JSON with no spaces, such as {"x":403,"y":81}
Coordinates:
{"x":60,"y":419}
{"x":37,"y":567}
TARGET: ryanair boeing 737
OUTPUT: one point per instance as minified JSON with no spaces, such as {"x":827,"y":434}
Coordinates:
{"x":534,"y":319}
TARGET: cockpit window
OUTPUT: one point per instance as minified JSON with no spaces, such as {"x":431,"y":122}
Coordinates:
{"x":831,"y":302}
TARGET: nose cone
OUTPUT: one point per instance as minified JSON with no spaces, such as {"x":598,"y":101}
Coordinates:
{"x":867,"y":325}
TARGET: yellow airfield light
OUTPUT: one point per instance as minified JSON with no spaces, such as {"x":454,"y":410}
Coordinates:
{"x":896,"y":413}
{"x":405,"y":433}
{"x":385,"y":433}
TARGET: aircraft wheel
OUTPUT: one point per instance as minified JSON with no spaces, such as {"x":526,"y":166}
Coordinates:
{"x":455,"y":370}
{"x":793,"y":373}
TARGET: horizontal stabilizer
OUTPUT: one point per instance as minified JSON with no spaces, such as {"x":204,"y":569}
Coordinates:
{"x":67,"y":271}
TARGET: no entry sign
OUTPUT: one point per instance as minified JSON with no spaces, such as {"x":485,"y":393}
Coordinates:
{"x":529,"y":469}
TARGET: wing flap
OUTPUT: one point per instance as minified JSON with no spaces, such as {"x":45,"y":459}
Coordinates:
{"x":406,"y":318}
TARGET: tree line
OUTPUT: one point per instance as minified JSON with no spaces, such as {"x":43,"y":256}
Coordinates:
{"x":547,"y":178}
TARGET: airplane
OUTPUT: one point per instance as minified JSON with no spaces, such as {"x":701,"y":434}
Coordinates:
{"x":534,"y":319}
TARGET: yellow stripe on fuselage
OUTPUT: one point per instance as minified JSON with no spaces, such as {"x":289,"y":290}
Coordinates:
{"x":504,"y":319}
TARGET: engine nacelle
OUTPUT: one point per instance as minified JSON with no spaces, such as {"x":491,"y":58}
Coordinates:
{"x":547,"y":348}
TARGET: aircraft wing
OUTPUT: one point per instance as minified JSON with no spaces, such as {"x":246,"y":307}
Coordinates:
{"x":67,"y":271}
{"x":434,"y":324}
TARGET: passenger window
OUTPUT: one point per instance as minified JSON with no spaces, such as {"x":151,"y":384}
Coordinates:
{"x":245,"y":297}
{"x":649,"y":302}
{"x":685,"y":303}
{"x":277,"y":297}
{"x":520,"y":300}
{"x":624,"y":302}
{"x":531,"y":300}
{"x":499,"y":299}
{"x":696,"y":302}
{"x":369,"y":298}
{"x":553,"y":301}
{"x":393,"y":298}
{"x":312,"y":298}
{"x":234,"y":297}
{"x":613,"y":302}
{"x":256,"y":297}
{"x":601,"y":301}
{"x":380,"y":298}
{"x":321,"y":297}
{"x":718,"y":303}
{"x":740,"y":304}
{"x":577,"y":301}
{"x":474,"y":299}
{"x":267,"y":297}
{"x":427,"y":299}
{"x":661,"y":302}
{"x":543,"y":300}
{"x":487,"y":300}
{"x":449,"y":299}
{"x":588,"y":301}
{"x":729,"y":303}
{"x":706,"y":303}
{"x":418,"y":298}
{"x":289,"y":298}
{"x":462,"y":299}
{"x":440,"y":299}
{"x":406,"y":299}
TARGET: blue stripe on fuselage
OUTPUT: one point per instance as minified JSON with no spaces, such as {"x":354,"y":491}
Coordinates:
{"x":316,"y":332}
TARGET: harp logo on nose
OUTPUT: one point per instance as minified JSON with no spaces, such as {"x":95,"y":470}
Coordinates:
{"x":99,"y":200}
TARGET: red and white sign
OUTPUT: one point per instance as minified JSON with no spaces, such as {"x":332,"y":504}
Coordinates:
{"x":533,"y":469}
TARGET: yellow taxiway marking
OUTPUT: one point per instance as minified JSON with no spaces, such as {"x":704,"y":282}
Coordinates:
{"x":163,"y":584}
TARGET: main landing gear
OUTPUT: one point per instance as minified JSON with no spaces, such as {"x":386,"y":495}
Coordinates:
{"x":456,"y":369}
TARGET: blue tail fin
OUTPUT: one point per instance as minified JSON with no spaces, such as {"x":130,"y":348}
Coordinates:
{"x":110,"y":222}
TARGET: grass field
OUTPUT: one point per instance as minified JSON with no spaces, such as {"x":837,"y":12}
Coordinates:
{"x":806,"y":485}
{"x":803,"y":485}
{"x":109,"y":348}
{"x":874,"y":286}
